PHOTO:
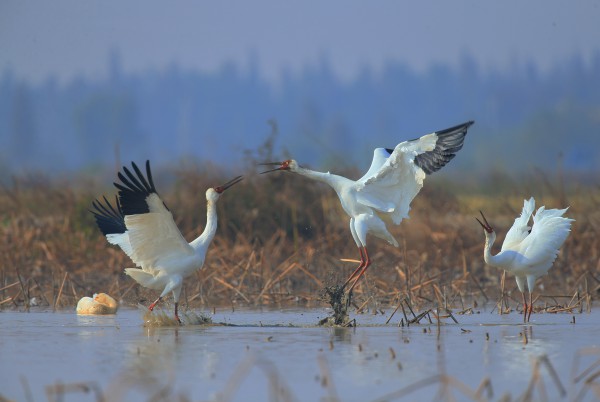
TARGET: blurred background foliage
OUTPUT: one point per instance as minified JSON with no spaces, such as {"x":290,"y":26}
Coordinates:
{"x":524,"y":118}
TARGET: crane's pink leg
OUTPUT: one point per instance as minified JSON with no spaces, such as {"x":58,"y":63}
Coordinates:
{"x":363,"y":270}
{"x":530,"y":306}
{"x":151,"y":308}
{"x":362,"y":263}
{"x":524,"y":307}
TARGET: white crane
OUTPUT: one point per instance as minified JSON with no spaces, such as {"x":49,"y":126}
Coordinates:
{"x":528,"y":252}
{"x":143,"y":227}
{"x":393,"y":180}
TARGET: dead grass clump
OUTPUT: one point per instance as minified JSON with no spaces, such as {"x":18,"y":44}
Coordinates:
{"x":339,"y":300}
{"x":159,"y":318}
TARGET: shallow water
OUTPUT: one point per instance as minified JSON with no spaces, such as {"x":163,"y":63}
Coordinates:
{"x":288,"y":357}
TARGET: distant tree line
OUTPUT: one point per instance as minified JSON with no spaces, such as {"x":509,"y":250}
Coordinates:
{"x":524,"y":118}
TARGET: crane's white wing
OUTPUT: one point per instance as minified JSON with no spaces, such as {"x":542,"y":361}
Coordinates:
{"x":392,"y":188}
{"x":549,"y":232}
{"x":520,"y":229}
{"x":394,"y":180}
{"x":380,"y":156}
{"x":151,"y":232}
{"x":154,"y":237}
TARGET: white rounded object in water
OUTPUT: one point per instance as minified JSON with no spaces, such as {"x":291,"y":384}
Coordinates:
{"x":101,"y":303}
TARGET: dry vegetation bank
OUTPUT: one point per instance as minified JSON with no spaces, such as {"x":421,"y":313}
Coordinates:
{"x":280,"y":241}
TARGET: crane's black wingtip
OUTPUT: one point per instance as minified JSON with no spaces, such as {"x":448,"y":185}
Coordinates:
{"x":109,"y":219}
{"x":458,"y":128}
{"x":449,"y":142}
{"x":134,"y":189}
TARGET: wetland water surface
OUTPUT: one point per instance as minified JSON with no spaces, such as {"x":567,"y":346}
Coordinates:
{"x":289,"y":357}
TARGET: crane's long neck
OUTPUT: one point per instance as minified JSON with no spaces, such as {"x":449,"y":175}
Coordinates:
{"x":497,"y":260}
{"x":202,"y":241}
{"x":331,"y":179}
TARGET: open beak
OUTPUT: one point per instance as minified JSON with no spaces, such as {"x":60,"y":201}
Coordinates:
{"x":230,"y":183}
{"x":486,"y":226}
{"x":280,"y":166}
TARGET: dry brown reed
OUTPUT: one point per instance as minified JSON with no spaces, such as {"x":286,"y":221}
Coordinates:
{"x":281,"y":240}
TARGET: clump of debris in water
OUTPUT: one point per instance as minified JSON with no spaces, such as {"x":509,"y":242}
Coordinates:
{"x":158,"y":318}
{"x":339,"y":301}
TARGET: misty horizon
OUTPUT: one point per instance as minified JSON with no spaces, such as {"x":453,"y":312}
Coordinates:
{"x":212,"y":117}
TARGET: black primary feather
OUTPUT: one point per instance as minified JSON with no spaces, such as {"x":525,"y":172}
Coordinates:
{"x":135,"y":189}
{"x":449,"y":142}
{"x":109,"y":219}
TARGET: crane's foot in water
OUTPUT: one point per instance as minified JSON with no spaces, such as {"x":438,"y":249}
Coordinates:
{"x":151,"y":307}
{"x":150,"y":318}
{"x":339,"y":300}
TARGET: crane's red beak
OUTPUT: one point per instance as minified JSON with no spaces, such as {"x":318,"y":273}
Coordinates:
{"x":285,"y":165}
{"x":223,"y":187}
{"x":486,"y":226}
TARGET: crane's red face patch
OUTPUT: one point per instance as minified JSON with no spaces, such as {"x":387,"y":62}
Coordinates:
{"x":285,"y":165}
{"x":223,"y":187}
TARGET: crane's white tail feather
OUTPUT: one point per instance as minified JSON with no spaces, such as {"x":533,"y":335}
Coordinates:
{"x":549,"y":232}
{"x":548,"y":213}
{"x":365,"y":223}
{"x":520,"y":229}
{"x":528,"y":208}
{"x":389,"y":238}
{"x":140,"y":276}
{"x":378,"y":229}
{"x":552,"y":224}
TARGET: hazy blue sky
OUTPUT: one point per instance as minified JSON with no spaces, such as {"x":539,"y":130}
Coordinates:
{"x":70,"y":37}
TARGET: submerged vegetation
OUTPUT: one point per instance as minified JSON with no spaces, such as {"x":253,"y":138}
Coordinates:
{"x":281,"y":238}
